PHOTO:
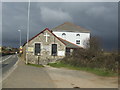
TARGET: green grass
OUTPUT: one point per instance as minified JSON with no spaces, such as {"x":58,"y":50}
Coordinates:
{"x":96,"y":71}
{"x":35,"y":65}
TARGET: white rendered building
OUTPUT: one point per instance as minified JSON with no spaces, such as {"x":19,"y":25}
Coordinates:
{"x":72,"y":33}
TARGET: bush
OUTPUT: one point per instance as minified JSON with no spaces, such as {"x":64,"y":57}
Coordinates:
{"x":93,"y":57}
{"x":106,"y":62}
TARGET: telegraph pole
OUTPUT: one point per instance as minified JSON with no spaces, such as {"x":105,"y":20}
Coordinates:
{"x":27,"y":32}
{"x":20,"y":36}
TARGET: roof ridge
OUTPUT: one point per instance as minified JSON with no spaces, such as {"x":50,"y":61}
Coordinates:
{"x":70,"y":26}
{"x":40,"y":33}
{"x":65,"y":23}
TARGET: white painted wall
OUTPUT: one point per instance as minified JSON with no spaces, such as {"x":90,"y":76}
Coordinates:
{"x":71,"y":37}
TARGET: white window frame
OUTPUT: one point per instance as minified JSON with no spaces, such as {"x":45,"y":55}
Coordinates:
{"x":76,"y":42}
{"x":78,"y":36}
{"x":64,"y":36}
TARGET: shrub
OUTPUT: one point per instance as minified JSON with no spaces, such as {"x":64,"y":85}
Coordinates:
{"x":93,"y":57}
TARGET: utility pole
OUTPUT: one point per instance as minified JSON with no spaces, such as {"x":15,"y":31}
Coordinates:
{"x":20,"y":48}
{"x":27,"y":32}
{"x":20,"y":36}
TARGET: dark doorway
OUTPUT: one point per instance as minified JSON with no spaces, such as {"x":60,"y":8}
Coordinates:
{"x":67,"y":51}
{"x":37,"y":48}
{"x":54,"y":50}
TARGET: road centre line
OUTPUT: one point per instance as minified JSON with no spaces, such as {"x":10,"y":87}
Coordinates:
{"x":5,"y":59}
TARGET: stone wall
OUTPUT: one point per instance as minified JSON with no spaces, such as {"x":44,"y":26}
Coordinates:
{"x":45,"y":55}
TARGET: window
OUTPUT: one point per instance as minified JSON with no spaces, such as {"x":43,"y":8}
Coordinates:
{"x":37,"y":48}
{"x":64,"y":35}
{"x":77,"y":34}
{"x":54,"y":50}
{"x":67,"y":51}
{"x":77,"y":41}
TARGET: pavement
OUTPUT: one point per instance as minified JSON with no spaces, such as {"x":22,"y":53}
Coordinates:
{"x":25,"y":76}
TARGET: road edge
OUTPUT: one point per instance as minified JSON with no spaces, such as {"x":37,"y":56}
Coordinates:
{"x":10,"y":71}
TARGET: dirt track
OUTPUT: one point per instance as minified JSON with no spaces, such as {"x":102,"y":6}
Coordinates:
{"x":65,"y":78}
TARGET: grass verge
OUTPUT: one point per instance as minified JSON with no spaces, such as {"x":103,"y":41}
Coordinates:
{"x":96,"y":71}
{"x":35,"y":65}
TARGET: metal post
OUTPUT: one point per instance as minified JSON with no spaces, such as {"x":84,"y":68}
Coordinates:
{"x":20,"y":36}
{"x":38,"y":58}
{"x":27,"y":32}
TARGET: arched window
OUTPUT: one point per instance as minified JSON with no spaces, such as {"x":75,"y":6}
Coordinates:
{"x":77,"y":34}
{"x":63,"y":35}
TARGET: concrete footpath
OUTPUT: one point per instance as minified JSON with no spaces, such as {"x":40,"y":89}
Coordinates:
{"x":25,"y":76}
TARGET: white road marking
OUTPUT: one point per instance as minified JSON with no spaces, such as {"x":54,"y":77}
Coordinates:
{"x":5,"y":59}
{"x":10,"y":71}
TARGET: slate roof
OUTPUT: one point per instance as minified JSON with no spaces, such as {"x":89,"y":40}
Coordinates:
{"x":65,"y":42}
{"x":70,"y":27}
{"x":69,"y":44}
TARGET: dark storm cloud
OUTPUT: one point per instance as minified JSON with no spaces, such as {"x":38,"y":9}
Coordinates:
{"x":0,"y":24}
{"x":100,"y":18}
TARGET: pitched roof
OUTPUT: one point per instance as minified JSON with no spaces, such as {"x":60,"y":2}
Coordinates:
{"x":42,"y":32}
{"x":65,"y":42}
{"x":70,"y":27}
{"x":69,"y":44}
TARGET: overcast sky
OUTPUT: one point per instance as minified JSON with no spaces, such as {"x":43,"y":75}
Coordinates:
{"x":100,"y":18}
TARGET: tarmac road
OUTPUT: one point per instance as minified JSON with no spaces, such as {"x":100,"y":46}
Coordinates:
{"x":8,"y":62}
